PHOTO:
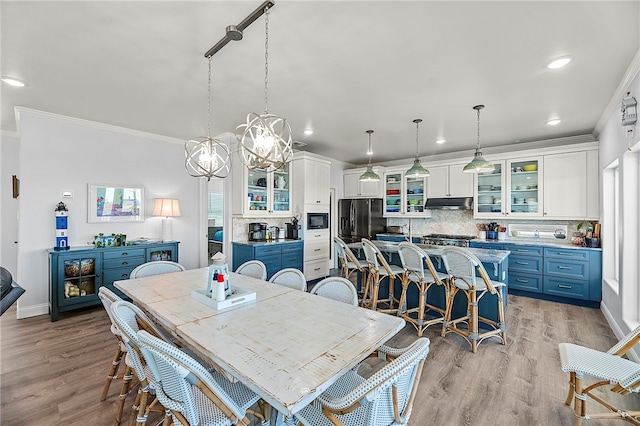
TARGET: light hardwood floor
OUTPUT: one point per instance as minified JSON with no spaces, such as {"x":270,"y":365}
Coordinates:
{"x":52,"y":373}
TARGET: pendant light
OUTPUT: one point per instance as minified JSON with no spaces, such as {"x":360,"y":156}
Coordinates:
{"x":369,"y":175}
{"x":265,"y":139}
{"x":206,"y":156}
{"x":417,"y":171}
{"x":478,"y":164}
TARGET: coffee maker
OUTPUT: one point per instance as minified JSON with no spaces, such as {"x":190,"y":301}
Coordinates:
{"x":292,"y":230}
{"x":257,"y":231}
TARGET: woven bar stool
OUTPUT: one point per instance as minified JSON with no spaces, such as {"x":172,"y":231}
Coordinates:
{"x":462,"y":266}
{"x":349,"y":263}
{"x":379,"y":269}
{"x":414,"y":260}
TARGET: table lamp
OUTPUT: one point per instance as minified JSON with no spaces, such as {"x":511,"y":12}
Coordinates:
{"x":167,"y":207}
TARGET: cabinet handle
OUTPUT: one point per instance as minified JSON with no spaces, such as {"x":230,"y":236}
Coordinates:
{"x":124,"y":253}
{"x":317,"y":250}
{"x":521,"y":250}
{"x":559,"y":253}
{"x":125,"y":263}
{"x":564,"y":267}
{"x":317,"y":269}
{"x":564,"y":286}
{"x":522,"y":263}
{"x":320,"y":235}
{"x":125,"y":275}
{"x":522,"y":281}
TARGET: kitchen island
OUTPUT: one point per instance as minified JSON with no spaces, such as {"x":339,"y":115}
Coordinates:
{"x":496,"y":262}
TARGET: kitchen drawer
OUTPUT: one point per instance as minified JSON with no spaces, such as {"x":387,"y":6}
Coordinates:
{"x":119,"y":254}
{"x":315,"y":269}
{"x":292,"y":260}
{"x":573,"y":254}
{"x":123,"y":261}
{"x":566,"y":269}
{"x":525,"y":250}
{"x":526,"y":264}
{"x":267,"y":249}
{"x":485,"y":245}
{"x":527,"y":282}
{"x":292,"y":247}
{"x":316,"y":235}
{"x":316,"y":250}
{"x":273,"y":264}
{"x":566,"y":288}
{"x":111,"y":275}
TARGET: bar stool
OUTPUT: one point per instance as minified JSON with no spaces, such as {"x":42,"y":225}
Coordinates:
{"x":349,"y":263}
{"x":462,"y":266}
{"x":414,"y":260}
{"x":379,"y":269}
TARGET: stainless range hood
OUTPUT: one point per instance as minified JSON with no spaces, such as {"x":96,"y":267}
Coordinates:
{"x":456,"y":203}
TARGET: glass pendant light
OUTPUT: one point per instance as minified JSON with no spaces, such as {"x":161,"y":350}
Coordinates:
{"x":478,"y":164}
{"x":369,"y":175}
{"x":417,"y":171}
{"x":265,"y":139}
{"x":206,"y":156}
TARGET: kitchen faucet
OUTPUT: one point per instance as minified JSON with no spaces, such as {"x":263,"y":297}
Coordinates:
{"x":409,"y":228}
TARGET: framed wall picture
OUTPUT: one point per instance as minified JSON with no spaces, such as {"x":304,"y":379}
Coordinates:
{"x":115,"y":203}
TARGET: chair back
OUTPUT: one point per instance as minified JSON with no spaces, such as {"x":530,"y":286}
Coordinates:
{"x":626,"y":343}
{"x":462,"y":265}
{"x":290,"y":277}
{"x":253,"y":268}
{"x":108,"y":298}
{"x":344,"y":250}
{"x":156,"y":268}
{"x":375,"y":258}
{"x":337,"y":288}
{"x":412,"y":259}
{"x":129,"y":319}
{"x":177,"y":374}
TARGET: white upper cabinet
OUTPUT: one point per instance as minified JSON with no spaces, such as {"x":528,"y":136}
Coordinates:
{"x":312,"y":178}
{"x":261,"y":194}
{"x":571,"y":189}
{"x":354,"y":188}
{"x":449,"y":181}
{"x":403,"y":196}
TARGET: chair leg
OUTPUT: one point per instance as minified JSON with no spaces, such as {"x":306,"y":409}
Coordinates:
{"x":127,"y":378}
{"x":473,"y":320}
{"x":579,"y":407}
{"x":113,"y":372}
{"x":422,"y":300}
{"x":572,"y":381}
{"x":402,"y":303}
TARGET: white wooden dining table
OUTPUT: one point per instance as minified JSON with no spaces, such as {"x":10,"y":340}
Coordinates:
{"x":288,"y":346}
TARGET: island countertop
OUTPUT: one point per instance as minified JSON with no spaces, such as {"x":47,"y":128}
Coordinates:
{"x":485,"y":255}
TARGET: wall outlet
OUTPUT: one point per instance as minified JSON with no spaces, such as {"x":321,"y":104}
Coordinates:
{"x":66,"y":194}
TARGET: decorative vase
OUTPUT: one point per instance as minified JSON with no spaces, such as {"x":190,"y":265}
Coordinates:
{"x":577,"y":239}
{"x":281,"y":182}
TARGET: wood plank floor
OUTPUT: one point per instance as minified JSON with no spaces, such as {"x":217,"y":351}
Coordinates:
{"x":52,"y":373}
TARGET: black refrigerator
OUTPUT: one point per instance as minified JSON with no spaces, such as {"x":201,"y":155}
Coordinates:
{"x":360,"y":218}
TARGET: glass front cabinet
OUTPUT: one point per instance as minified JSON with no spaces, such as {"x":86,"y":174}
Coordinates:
{"x":263,"y":194}
{"x":404,"y":196}
{"x":513,"y":190}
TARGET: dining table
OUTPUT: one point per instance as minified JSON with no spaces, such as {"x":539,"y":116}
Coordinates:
{"x":287,"y":345}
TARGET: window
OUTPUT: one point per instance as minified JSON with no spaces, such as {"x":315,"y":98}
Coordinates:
{"x":611,"y":238}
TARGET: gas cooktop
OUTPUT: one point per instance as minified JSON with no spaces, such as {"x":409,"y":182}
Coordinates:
{"x":447,"y":240}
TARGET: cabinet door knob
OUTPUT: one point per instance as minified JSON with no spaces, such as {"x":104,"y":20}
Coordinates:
{"x":124,"y":253}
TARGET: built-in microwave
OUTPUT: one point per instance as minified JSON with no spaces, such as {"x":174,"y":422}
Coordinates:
{"x":317,"y":220}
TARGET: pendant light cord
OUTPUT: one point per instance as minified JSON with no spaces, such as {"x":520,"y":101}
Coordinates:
{"x":417,"y":121}
{"x":266,"y":59}
{"x":209,"y":103}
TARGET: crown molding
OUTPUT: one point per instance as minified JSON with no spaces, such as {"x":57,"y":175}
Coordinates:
{"x":92,"y":124}
{"x":618,"y":94}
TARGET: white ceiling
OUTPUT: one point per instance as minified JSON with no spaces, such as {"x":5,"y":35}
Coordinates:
{"x":338,"y":67}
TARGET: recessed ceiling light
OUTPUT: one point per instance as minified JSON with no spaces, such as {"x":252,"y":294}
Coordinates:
{"x":440,"y":141}
{"x":559,"y":62}
{"x":554,"y":122}
{"x":308,"y":132}
{"x":13,"y":81}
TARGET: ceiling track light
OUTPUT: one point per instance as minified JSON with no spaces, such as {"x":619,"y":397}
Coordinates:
{"x":417,"y":171}
{"x":369,"y":175}
{"x":478,"y":164}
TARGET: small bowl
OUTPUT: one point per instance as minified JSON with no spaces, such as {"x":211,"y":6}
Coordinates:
{"x":530,"y":167}
{"x":414,"y":202}
{"x":485,"y":187}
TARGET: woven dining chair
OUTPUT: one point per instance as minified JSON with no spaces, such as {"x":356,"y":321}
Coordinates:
{"x":348,"y":261}
{"x":337,"y":288}
{"x":384,"y":398}
{"x":108,"y":297}
{"x":253,"y":268}
{"x":156,"y":268}
{"x":610,"y":368}
{"x":379,"y":269}
{"x":129,"y":319}
{"x":290,"y":277}
{"x":192,"y":393}
{"x":419,"y":270}
{"x":463,"y":268}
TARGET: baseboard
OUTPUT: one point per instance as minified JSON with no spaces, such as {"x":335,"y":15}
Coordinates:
{"x":32,"y":311}
{"x":633,"y":353}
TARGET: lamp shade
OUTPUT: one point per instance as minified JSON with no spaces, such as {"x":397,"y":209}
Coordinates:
{"x":167,"y":207}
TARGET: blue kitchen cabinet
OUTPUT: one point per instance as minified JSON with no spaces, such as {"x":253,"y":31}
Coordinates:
{"x":275,"y":255}
{"x":525,"y":268}
{"x":397,"y":238}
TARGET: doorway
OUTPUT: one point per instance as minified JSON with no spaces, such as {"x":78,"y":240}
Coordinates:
{"x":215,"y":217}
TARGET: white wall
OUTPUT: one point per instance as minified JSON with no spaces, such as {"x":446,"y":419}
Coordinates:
{"x":621,"y":308}
{"x":9,"y":148}
{"x":61,"y":153}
